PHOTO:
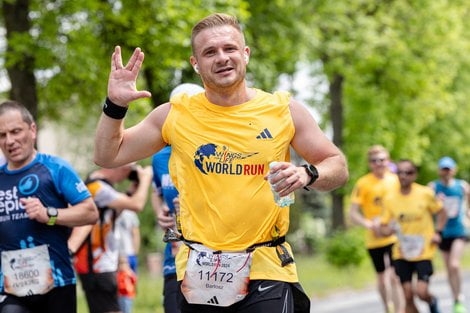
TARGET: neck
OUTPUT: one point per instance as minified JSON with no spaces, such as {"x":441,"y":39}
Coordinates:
{"x":379,"y":175}
{"x":447,"y":181}
{"x":404,"y":190}
{"x":16,"y":166}
{"x":230,"y":96}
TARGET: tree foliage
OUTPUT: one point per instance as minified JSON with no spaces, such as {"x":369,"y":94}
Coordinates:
{"x":399,"y":69}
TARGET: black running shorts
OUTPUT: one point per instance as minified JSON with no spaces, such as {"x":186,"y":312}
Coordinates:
{"x":378,"y":256}
{"x":58,"y":300}
{"x":263,"y":296}
{"x":101,"y":291}
{"x":405,"y":270}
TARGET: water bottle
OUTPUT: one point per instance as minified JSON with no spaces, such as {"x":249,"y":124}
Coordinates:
{"x":280,"y":201}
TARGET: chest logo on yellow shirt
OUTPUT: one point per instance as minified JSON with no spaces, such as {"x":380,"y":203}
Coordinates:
{"x":212,"y":158}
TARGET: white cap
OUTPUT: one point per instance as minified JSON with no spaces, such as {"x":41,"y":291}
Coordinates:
{"x":190,"y":89}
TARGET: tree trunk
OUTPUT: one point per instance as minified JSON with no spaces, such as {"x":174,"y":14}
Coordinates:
{"x":336,"y":113}
{"x":20,"y":72}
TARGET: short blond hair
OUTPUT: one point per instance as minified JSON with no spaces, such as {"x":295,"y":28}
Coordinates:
{"x":215,"y":20}
{"x":375,"y":149}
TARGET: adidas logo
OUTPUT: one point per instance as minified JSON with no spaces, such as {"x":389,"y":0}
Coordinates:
{"x":213,"y":300}
{"x":265,"y":134}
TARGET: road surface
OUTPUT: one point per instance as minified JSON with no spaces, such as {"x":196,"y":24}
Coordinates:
{"x":368,"y":301}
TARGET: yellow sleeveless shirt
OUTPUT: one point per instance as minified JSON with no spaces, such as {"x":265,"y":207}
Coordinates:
{"x":219,"y":158}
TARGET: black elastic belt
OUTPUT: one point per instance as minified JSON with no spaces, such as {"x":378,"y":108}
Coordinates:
{"x":271,"y":243}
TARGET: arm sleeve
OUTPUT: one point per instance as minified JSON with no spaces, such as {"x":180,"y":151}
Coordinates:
{"x":69,"y":184}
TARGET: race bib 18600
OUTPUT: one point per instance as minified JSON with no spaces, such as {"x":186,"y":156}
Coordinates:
{"x":216,"y":278}
{"x":27,"y":272}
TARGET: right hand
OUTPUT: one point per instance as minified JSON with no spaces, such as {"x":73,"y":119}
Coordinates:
{"x":164,"y":219}
{"x":144,"y":172}
{"x":122,"y":80}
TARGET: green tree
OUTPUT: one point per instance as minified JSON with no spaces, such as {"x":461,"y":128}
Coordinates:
{"x":390,"y":66}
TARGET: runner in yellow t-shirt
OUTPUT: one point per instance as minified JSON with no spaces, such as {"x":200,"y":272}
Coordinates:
{"x":408,"y":212}
{"x":365,"y":210}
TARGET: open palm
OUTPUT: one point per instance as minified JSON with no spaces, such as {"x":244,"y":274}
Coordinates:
{"x":122,"y":80}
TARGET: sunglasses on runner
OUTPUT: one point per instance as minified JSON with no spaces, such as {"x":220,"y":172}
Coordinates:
{"x":407,"y":173}
{"x":377,"y":160}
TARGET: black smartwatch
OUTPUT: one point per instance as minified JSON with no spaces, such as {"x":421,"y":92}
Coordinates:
{"x":52,"y":213}
{"x":312,"y":172}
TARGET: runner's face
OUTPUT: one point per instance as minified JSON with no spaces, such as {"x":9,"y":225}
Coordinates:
{"x":406,"y":174}
{"x":378,"y":163}
{"x":220,"y":56}
{"x":446,"y":173}
{"x":16,"y":139}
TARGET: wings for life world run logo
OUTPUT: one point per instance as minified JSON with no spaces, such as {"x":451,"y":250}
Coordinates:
{"x":211,"y":158}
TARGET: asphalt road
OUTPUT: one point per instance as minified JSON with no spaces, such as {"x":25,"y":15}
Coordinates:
{"x":368,"y":301}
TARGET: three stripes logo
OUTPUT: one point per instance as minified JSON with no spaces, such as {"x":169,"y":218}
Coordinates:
{"x":265,"y":134}
{"x":213,"y":300}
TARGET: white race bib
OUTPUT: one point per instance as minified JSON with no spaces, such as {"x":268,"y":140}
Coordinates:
{"x":451,"y":205}
{"x":411,"y":246}
{"x":27,"y":272}
{"x":216,"y":278}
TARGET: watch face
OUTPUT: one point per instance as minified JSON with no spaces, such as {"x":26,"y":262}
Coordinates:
{"x":52,"y":212}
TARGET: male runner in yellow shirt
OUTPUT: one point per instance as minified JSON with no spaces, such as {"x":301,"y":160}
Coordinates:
{"x":366,"y":208}
{"x":222,"y":142}
{"x":408,"y":212}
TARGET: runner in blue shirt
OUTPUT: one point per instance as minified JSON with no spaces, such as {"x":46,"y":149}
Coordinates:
{"x":455,"y":193}
{"x":41,"y":197}
{"x":164,"y":200}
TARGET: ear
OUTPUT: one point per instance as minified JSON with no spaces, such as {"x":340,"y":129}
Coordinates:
{"x":246,"y":54}
{"x":193,"y":62}
{"x":34,"y":130}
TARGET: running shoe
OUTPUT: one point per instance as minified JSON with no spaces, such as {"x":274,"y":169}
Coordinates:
{"x":459,"y":308}
{"x":433,"y":308}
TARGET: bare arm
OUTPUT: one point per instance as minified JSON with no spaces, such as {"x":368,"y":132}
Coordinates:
{"x":312,"y":145}
{"x":135,"y":202}
{"x":387,"y":229}
{"x":136,"y":239}
{"x":466,"y":189}
{"x":78,"y":236}
{"x":357,"y":218}
{"x":441,"y":220}
{"x":82,"y":213}
{"x":114,"y":145}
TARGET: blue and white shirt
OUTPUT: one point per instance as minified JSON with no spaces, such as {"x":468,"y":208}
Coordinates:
{"x":167,"y":190}
{"x":56,"y":184}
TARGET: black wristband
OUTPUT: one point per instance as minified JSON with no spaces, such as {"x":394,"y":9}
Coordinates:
{"x":312,"y":173}
{"x":113,"y":110}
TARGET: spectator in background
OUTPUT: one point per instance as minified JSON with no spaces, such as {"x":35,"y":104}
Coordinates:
{"x":128,"y":225}
{"x":126,"y":284}
{"x":408,"y":212}
{"x":455,"y":194}
{"x":96,"y":261}
{"x":366,"y":208}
